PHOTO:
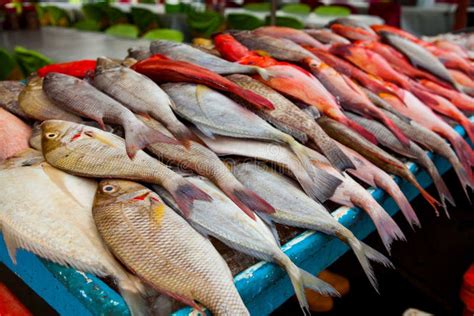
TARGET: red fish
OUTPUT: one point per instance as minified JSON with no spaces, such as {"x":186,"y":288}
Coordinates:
{"x":162,"y":69}
{"x":79,"y":69}
{"x":354,"y":33}
{"x":451,"y":47}
{"x":294,"y":35}
{"x":391,"y":29}
{"x":453,"y":60}
{"x":462,"y":101}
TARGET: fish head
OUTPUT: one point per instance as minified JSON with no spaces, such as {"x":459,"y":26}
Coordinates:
{"x":34,"y":83}
{"x":125,"y":192}
{"x":104,"y":63}
{"x":57,"y":133}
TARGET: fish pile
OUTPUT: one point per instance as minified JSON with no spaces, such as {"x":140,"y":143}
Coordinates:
{"x":127,"y":170}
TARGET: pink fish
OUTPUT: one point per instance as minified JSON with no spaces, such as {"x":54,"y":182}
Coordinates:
{"x":14,"y":135}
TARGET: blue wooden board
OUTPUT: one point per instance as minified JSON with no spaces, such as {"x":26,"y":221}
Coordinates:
{"x":263,"y":286}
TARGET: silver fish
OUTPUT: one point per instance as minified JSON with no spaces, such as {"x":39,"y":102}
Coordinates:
{"x":327,"y":36}
{"x":9,"y":91}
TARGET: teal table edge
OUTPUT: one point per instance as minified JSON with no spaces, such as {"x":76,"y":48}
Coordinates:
{"x":263,"y":287}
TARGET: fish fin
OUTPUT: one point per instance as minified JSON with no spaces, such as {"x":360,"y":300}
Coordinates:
{"x":335,"y":155}
{"x":10,"y":242}
{"x":263,"y":73}
{"x":99,"y":138}
{"x":271,"y":225}
{"x":185,"y":194}
{"x":133,"y":297}
{"x":430,"y":199}
{"x":206,"y":131}
{"x":301,"y":279}
{"x":56,"y":176}
{"x":462,"y":176}
{"x":136,"y":139}
{"x":252,"y":200}
{"x":401,"y":200}
{"x":181,"y":298}
{"x":441,"y":187}
{"x":312,"y":186}
{"x":363,"y":253}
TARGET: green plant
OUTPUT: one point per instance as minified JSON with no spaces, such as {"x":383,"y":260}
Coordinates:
{"x":115,"y":15}
{"x":242,"y":21}
{"x":203,"y":24}
{"x":144,"y":19}
{"x":88,"y":25}
{"x":29,"y":60}
{"x":258,"y":7}
{"x":7,"y":64}
{"x":332,"y":10}
{"x":123,"y":30}
{"x":286,"y":21}
{"x":296,"y":8}
{"x":164,"y":34}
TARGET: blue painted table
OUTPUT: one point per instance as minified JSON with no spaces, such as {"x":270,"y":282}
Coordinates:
{"x":263,"y":286}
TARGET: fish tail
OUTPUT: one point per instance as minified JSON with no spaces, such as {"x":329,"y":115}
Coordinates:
{"x":363,"y":253}
{"x":462,"y":176}
{"x":301,"y":279}
{"x":468,"y":127}
{"x":397,"y":195}
{"x":361,"y":130}
{"x":249,"y":201}
{"x":133,"y":297}
{"x":255,"y":99}
{"x":332,"y":152}
{"x":136,"y":139}
{"x":430,"y":199}
{"x":441,"y":187}
{"x":386,"y":227}
{"x":185,"y":194}
{"x":324,"y":184}
{"x":185,"y":135}
{"x":463,"y":151}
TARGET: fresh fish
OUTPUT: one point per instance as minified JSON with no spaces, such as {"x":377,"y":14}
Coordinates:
{"x":187,"y":53}
{"x":205,"y":162}
{"x":36,"y":105}
{"x":451,"y":47}
{"x":9,"y":91}
{"x":431,"y":141}
{"x":214,"y":113}
{"x":161,"y":69}
{"x":80,"y":97}
{"x":452,"y":60}
{"x":351,"y":22}
{"x":420,"y":113}
{"x":224,"y":221}
{"x":419,"y":56}
{"x":463,"y":80}
{"x":27,"y":157}
{"x":139,"y":53}
{"x":90,"y":152}
{"x":326,"y":36}
{"x":376,"y":177}
{"x":461,"y":100}
{"x":14,"y":135}
{"x":159,"y":246}
{"x":294,"y":208}
{"x":354,"y":33}
{"x":387,"y":139}
{"x":381,"y":28}
{"x":268,"y":152}
{"x":289,"y":118}
{"x":374,"y":154}
{"x":52,"y":218}
{"x":348,"y":193}
{"x":294,"y":35}
{"x":142,"y":96}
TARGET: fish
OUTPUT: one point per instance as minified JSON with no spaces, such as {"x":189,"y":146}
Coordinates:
{"x":141,"y":95}
{"x":413,"y":151}
{"x":294,"y":35}
{"x":161,"y":69}
{"x":52,"y":218}
{"x":27,"y":157}
{"x":292,"y":120}
{"x":422,"y":114}
{"x":326,"y":36}
{"x":34,"y":102}
{"x":295,"y":209}
{"x":139,"y":53}
{"x":451,"y":47}
{"x":214,"y":113}
{"x":9,"y":91}
{"x":433,"y":142}
{"x":351,"y":22}
{"x":224,"y":221}
{"x":354,"y":33}
{"x":376,"y":177}
{"x":187,"y":53}
{"x":162,"y":249}
{"x":80,"y":97}
{"x":204,"y":162}
{"x":14,"y":135}
{"x":419,"y":56}
{"x":452,"y":60}
{"x":348,"y":192}
{"x":463,"y":80}
{"x":460,"y":100}
{"x":381,"y":28}
{"x":90,"y":152}
{"x":374,"y":154}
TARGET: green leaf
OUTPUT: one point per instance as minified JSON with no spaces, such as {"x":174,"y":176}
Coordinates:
{"x":203,"y":24}
{"x":164,"y":34}
{"x":332,"y":10}
{"x":7,"y":64}
{"x":115,"y":15}
{"x":29,"y":60}
{"x":258,"y":7}
{"x":95,"y":11}
{"x":123,"y":30}
{"x":242,"y":21}
{"x":144,"y":19}
{"x":287,"y":22}
{"x":88,"y":25}
{"x":296,"y":8}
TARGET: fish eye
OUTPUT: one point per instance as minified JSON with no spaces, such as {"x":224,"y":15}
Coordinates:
{"x":109,"y":188}
{"x":51,"y":135}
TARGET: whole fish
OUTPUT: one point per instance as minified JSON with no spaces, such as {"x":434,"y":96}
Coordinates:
{"x":294,"y":208}
{"x":161,"y":69}
{"x":348,"y":192}
{"x":80,"y":97}
{"x":461,"y":100}
{"x":52,"y":218}
{"x":269,"y":152}
{"x":159,"y":246}
{"x":214,"y":113}
{"x":420,"y":113}
{"x":90,"y":152}
{"x":141,"y":95}
{"x":419,"y":56}
{"x":14,"y":135}
{"x":206,"y":163}
{"x":354,"y":33}
{"x":431,"y":141}
{"x":224,"y":221}
{"x":289,"y":118}
{"x":187,"y":53}
{"x":413,"y":151}
{"x":374,"y":154}
{"x":326,"y":36}
{"x":294,"y":35}
{"x":376,"y":177}
{"x":9,"y":91}
{"x":36,"y":104}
